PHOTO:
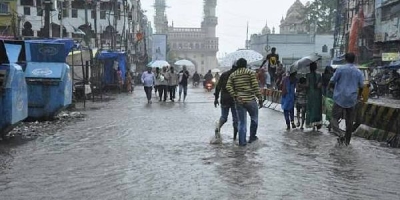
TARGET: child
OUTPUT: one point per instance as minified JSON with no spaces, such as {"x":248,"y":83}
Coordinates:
{"x":301,"y":101}
{"x":128,"y":80}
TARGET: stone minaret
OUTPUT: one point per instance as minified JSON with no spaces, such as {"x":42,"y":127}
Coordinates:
{"x":160,"y":18}
{"x":210,"y":20}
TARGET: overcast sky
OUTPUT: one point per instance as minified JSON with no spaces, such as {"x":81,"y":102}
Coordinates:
{"x":232,"y":17}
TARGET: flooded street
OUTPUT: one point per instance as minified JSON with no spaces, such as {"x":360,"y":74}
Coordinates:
{"x":131,"y":150}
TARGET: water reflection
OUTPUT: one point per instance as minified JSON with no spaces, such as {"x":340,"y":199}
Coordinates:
{"x":239,"y":167}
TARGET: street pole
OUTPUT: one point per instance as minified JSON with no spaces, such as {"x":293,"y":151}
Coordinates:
{"x":87,"y":33}
{"x":61,"y":19}
{"x":47,"y":8}
{"x":95,"y":24}
{"x":114,"y":35}
{"x":19,"y":26}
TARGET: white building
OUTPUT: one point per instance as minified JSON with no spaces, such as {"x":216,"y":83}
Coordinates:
{"x":71,"y":15}
{"x":296,"y":38}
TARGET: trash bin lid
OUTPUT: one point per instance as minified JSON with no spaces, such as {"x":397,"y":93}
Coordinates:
{"x":45,"y":52}
{"x":45,"y":70}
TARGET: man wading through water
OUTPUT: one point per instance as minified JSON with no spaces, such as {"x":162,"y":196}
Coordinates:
{"x":148,"y":80}
{"x":227,"y":103}
{"x":243,"y":87}
{"x":347,"y":80}
{"x":183,"y":83}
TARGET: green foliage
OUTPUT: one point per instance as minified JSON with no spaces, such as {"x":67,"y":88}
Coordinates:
{"x":322,"y":14}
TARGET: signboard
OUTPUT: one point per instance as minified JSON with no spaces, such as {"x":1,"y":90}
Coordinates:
{"x":390,"y":56}
{"x":388,"y":30}
{"x":159,"y":47}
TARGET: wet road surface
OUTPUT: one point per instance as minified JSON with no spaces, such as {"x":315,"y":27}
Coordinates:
{"x":131,"y":150}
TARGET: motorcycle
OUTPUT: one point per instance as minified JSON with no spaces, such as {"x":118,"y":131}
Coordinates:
{"x":394,"y":88}
{"x":374,"y":89}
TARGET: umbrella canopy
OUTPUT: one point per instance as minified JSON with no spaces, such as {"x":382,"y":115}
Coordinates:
{"x":215,"y":70}
{"x":187,"y":63}
{"x":158,"y":63}
{"x":249,"y":55}
{"x":303,"y":63}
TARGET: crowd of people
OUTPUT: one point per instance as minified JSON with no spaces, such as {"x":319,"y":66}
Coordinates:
{"x":165,"y":81}
{"x":240,"y":89}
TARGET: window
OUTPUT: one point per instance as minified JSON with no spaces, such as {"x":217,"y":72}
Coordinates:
{"x":74,"y":13}
{"x":27,"y":2}
{"x":39,"y":11}
{"x":202,"y":62}
{"x":103,"y":14}
{"x":93,"y":13}
{"x":78,"y":4}
{"x":324,"y":49}
{"x":65,"y":9}
{"x":27,"y":10}
{"x":4,"y":8}
{"x":65,"y":13}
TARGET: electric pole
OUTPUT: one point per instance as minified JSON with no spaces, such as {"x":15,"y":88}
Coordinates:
{"x":60,"y":17}
{"x":95,"y":24}
{"x":47,"y":9}
{"x":87,"y":33}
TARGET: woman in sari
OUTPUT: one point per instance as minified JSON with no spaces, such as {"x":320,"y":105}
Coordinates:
{"x":314,"y":97}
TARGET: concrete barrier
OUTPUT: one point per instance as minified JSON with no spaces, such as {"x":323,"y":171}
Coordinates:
{"x":381,"y":123}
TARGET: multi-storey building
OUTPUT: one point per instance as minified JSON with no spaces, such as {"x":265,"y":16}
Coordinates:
{"x":199,"y":45}
{"x":347,"y":10}
{"x":8,"y":18}
{"x":100,"y":20}
{"x":387,"y":30}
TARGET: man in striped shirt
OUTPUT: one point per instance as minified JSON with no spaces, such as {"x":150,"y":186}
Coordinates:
{"x":243,"y":87}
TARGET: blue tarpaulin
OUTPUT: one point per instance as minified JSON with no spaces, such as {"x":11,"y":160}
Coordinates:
{"x":109,"y":73}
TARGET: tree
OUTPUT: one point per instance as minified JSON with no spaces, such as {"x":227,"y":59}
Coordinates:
{"x":321,"y":15}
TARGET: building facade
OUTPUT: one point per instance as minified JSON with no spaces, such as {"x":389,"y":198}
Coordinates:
{"x":105,"y":19}
{"x":8,"y":18}
{"x":387,"y":30}
{"x":294,"y":40}
{"x":199,"y":45}
{"x":295,"y":20}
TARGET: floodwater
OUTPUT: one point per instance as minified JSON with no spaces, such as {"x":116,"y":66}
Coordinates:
{"x":131,"y":150}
